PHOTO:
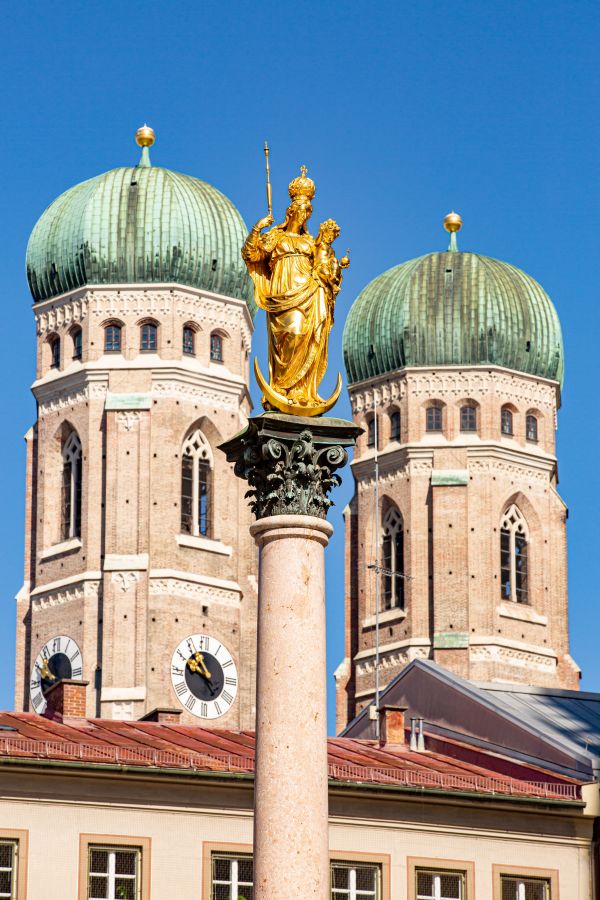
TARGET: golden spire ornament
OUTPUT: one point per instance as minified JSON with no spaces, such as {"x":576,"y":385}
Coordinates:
{"x":144,"y":136}
{"x":453,"y":224}
{"x":296,"y":281}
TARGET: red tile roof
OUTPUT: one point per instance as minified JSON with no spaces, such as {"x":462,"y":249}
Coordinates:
{"x":166,"y":745}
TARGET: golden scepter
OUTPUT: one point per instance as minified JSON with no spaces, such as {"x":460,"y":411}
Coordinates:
{"x":269,"y":193}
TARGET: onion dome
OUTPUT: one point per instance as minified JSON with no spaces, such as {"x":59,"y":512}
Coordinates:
{"x":139,"y":225}
{"x":453,"y":308}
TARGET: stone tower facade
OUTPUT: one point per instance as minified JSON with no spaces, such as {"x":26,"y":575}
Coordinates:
{"x":472,"y":530}
{"x":133,"y":578}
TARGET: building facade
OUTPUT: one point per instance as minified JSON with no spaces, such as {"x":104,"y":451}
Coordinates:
{"x":138,"y":556}
{"x":455,"y":365}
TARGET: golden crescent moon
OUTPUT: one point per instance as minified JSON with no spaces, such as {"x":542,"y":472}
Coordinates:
{"x":289,"y":406}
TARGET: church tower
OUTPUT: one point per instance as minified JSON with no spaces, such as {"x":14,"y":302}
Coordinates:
{"x":455,"y":364}
{"x":140,"y":574}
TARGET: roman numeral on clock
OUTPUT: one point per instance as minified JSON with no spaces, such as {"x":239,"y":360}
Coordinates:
{"x":226,"y":665}
{"x":217,"y":707}
{"x":37,"y":701}
{"x":75,"y":655}
{"x":181,"y":688}
{"x":175,"y":670}
{"x":191,"y":702}
{"x":231,"y":681}
{"x":204,"y":710}
{"x":76,"y":673}
{"x":227,"y":697}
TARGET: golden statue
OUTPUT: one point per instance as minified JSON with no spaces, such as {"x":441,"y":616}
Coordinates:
{"x":296,"y":280}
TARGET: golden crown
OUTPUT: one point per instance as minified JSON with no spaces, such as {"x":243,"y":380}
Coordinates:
{"x":302,"y":187}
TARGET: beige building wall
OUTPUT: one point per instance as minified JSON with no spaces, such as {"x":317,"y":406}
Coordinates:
{"x":178,"y":820}
{"x":132,"y":586}
{"x":451,"y":489}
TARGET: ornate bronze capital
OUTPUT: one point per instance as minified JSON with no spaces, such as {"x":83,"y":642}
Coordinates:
{"x":289,"y":462}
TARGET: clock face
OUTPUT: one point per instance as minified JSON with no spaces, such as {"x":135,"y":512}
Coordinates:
{"x":204,"y":676}
{"x":60,"y":657}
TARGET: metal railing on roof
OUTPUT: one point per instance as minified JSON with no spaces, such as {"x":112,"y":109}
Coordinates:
{"x":110,"y":754}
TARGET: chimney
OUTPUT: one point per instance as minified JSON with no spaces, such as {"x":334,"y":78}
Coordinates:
{"x":162,"y":714}
{"x":66,"y":700}
{"x":391,"y":724}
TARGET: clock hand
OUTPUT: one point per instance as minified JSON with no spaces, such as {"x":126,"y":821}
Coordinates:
{"x":45,"y":672}
{"x":196,"y":664}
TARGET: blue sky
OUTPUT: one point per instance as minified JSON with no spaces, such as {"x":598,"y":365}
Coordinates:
{"x":400,"y":110}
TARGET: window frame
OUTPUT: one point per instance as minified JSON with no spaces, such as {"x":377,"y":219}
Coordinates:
{"x":509,"y":412}
{"x":463,"y":867}
{"x":395,"y":433}
{"x":234,"y":849}
{"x":439,"y":410}
{"x":20,"y":837}
{"x":202,"y":461}
{"x":72,"y":487}
{"x":220,"y":358}
{"x":465,"y":412}
{"x":192,"y":331}
{"x":119,"y":329}
{"x":76,"y":334}
{"x":114,"y":842}
{"x":515,"y":536}
{"x":531,"y":417}
{"x":548,"y":875}
{"x":372,"y":432}
{"x":393,"y":587}
{"x":55,"y":354}
{"x":149,"y":324}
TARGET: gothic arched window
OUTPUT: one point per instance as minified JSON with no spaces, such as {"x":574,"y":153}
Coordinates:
{"x":433,"y":418}
{"x":71,"y":488}
{"x":506,"y":421}
{"x":196,"y":465}
{"x":76,"y":337}
{"x":395,"y":425}
{"x":371,"y":432}
{"x":112,"y":338}
{"x":188,"y":340}
{"x":149,"y":337}
{"x":216,"y":347}
{"x":55,"y":352}
{"x":531,"y":427}
{"x":468,"y":417}
{"x":514,"y":556}
{"x":392,"y":560}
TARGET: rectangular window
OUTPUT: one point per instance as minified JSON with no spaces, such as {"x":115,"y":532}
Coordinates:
{"x":505,"y":587}
{"x":371,"y":433}
{"x":8,"y":870}
{"x":188,"y":341}
{"x":521,"y":568}
{"x":515,"y":888}
{"x":352,"y":881}
{"x":114,"y":873}
{"x":216,"y":348}
{"x":395,"y":426}
{"x":468,"y":418}
{"x":386,"y":578}
{"x":232,"y":877}
{"x":112,"y":339}
{"x":187,"y":495}
{"x":433,"y":418}
{"x":203,"y":498}
{"x":149,"y":342}
{"x":434,"y":884}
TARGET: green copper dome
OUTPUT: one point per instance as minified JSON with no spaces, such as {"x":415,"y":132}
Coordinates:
{"x":453,"y":308}
{"x":139,"y":225}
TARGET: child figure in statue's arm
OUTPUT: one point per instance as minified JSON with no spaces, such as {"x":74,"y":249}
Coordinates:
{"x":327,"y":269}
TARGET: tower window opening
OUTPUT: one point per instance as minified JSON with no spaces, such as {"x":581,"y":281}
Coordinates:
{"x":71,"y":488}
{"x":433,"y":418}
{"x":506,"y":421}
{"x":55,"y":353}
{"x":112,"y":338}
{"x":392,"y":561}
{"x":371,"y":432}
{"x":468,"y":418}
{"x":196,"y":466}
{"x":514,"y":556}
{"x":76,"y":334}
{"x":188,"y":340}
{"x":149,"y":337}
{"x":395,"y":426}
{"x":531,"y":428}
{"x":216,"y":347}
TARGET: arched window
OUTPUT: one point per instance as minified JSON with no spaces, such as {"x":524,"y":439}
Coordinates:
{"x":188,"y":340}
{"x":514,"y":556}
{"x":76,"y":336}
{"x":506,"y":421}
{"x":392,"y":560}
{"x":531,"y":427}
{"x":433,"y":418}
{"x":371,"y":432}
{"x":395,"y":425}
{"x":468,"y":418}
{"x":55,"y":352}
{"x":149,"y":337}
{"x":196,"y":464}
{"x":112,"y":338}
{"x":71,"y":488}
{"x":216,"y":347}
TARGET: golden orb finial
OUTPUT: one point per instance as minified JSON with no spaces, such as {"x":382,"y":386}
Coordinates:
{"x":144,"y":136}
{"x":453,"y":222}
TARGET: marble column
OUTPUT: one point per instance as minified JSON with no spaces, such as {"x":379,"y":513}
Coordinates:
{"x":289,"y":463}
